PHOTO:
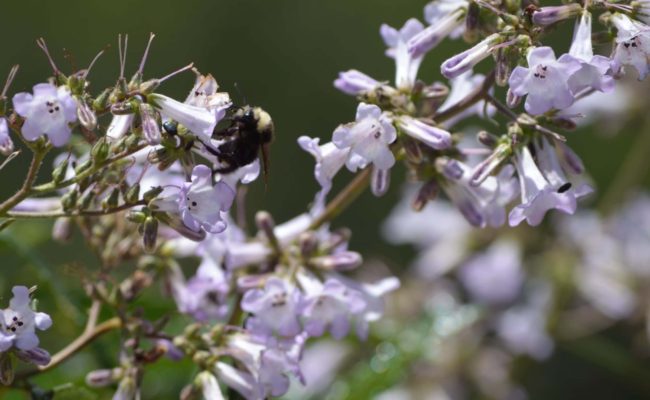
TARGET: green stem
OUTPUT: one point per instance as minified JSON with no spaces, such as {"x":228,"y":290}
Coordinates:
{"x":343,"y":199}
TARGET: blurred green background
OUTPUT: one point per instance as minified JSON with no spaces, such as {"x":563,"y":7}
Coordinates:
{"x":283,"y":55}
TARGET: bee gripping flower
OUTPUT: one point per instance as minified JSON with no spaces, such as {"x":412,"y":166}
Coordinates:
{"x":199,"y":120}
{"x":48,"y":111}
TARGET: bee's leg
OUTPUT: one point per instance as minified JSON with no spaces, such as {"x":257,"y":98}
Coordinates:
{"x":225,"y":170}
{"x":226,"y":132}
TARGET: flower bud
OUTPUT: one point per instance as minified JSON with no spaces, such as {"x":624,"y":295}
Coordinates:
{"x":137,"y":217}
{"x":265,"y":224}
{"x":150,"y":234}
{"x":150,"y":126}
{"x":379,"y":181}
{"x":487,"y":166}
{"x":152,"y":193}
{"x":101,"y":102}
{"x":100,"y":150}
{"x":502,"y":71}
{"x":550,"y":15}
{"x":86,"y":115}
{"x":82,"y":167}
{"x":35,"y":356}
{"x":512,"y":100}
{"x":354,"y":83}
{"x":434,"y":137}
{"x":112,"y":200}
{"x":132,"y":194}
{"x":465,"y":61}
{"x":308,"y":243}
{"x":487,"y":139}
{"x":58,"y":174}
{"x":426,"y":40}
{"x":427,"y":192}
{"x":248,"y":282}
{"x":472,"y":22}
{"x":103,"y":377}
{"x":123,"y":108}
{"x":342,"y":261}
{"x":6,"y":369}
{"x":69,"y":200}
{"x":61,"y":230}
{"x":449,"y":168}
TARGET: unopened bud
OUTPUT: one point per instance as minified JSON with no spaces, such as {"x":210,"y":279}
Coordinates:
{"x":100,"y":150}
{"x":152,"y":193}
{"x":82,"y":167}
{"x":36,"y":356}
{"x":133,"y":286}
{"x":86,"y":115}
{"x":472,"y":22}
{"x":512,"y":100}
{"x":69,"y":200}
{"x":487,"y":166}
{"x":427,"y":192}
{"x":565,"y":123}
{"x":343,"y":261}
{"x":101,"y":102}
{"x":58,"y":174}
{"x":86,"y":199}
{"x":150,"y":126}
{"x":502,"y":72}
{"x":450,"y":168}
{"x":132,"y":141}
{"x":380,"y":181}
{"x":308,"y":243}
{"x":550,"y":15}
{"x":137,"y":217}
{"x":132,"y":194}
{"x":487,"y":139}
{"x":112,"y":200}
{"x":103,"y":377}
{"x":150,"y":234}
{"x":61,"y":230}
{"x":123,"y":108}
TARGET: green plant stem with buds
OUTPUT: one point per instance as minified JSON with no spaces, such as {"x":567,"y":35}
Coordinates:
{"x":78,"y":213}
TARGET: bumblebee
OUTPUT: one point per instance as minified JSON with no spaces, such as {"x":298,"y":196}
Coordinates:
{"x":249,"y":134}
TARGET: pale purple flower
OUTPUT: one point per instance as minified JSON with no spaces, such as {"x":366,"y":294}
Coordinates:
{"x":484,"y":204}
{"x":632,"y":45}
{"x":199,"y":202}
{"x":266,"y":365}
{"x":274,"y":309}
{"x":494,"y":276}
{"x":354,"y":83}
{"x":545,"y":81}
{"x":430,"y":135}
{"x":48,"y":111}
{"x":465,"y":61}
{"x":200,"y":120}
{"x":6,"y":144}
{"x":593,"y":70}
{"x":329,"y":306}
{"x":379,"y":181}
{"x":329,"y":161}
{"x":541,"y":192}
{"x":406,"y":65}
{"x":368,"y":139}
{"x":445,"y":18}
{"x":19,"y":322}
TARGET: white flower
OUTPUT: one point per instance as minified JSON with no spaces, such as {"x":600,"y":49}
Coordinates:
{"x":406,"y":65}
{"x":47,"y":112}
{"x":201,"y":121}
{"x":368,"y":139}
{"x":19,"y":322}
{"x":633,"y":45}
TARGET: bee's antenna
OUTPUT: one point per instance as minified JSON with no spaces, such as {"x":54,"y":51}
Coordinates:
{"x":241,"y":94}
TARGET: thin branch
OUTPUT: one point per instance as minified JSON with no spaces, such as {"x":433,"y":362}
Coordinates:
{"x":79,"y":343}
{"x":25,"y":190}
{"x":78,"y":213}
